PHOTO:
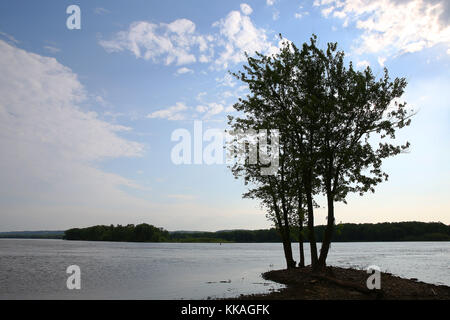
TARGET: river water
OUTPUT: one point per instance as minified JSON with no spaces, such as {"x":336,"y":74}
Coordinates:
{"x":36,"y":269}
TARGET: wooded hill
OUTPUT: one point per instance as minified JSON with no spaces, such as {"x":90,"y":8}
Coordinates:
{"x":347,"y":232}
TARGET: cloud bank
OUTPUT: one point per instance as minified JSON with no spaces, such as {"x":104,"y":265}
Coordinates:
{"x":393,"y":27}
{"x":50,"y":146}
{"x":179,"y":43}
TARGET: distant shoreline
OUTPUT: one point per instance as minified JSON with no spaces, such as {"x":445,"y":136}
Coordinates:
{"x":216,"y":242}
{"x":347,"y":232}
{"x":346,"y":284}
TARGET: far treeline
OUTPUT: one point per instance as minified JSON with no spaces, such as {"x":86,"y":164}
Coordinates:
{"x":347,"y":232}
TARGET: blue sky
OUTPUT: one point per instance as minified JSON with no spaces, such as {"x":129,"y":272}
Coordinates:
{"x":86,"y":116}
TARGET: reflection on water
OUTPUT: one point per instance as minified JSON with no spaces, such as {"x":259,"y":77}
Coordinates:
{"x":36,"y":269}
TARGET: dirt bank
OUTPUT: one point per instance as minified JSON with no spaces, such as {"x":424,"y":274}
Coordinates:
{"x":347,"y":284}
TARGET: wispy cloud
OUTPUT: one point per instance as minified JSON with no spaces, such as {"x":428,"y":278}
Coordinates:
{"x":176,"y":112}
{"x":101,"y":11}
{"x":300,"y":14}
{"x":227,"y":81}
{"x":210,"y":109}
{"x":52,"y":49}
{"x":181,"y":111}
{"x":275,"y":15}
{"x":184,"y":70}
{"x":9,"y":37}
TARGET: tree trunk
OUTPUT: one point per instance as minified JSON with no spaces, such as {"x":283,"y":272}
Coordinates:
{"x":301,"y":219}
{"x":301,"y":264}
{"x":328,"y":232}
{"x":290,"y":263}
{"x":284,"y":234}
{"x":311,"y":235}
{"x":287,"y":240}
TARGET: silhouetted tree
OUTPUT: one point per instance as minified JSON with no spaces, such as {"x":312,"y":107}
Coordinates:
{"x":329,"y":118}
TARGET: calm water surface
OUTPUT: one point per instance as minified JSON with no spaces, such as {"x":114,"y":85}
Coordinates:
{"x":36,"y":269}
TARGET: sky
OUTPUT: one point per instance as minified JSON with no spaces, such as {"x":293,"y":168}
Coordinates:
{"x":87,"y":115}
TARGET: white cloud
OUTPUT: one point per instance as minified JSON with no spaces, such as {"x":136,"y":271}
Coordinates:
{"x":381,"y":61}
{"x":275,"y":15}
{"x":270,"y":2}
{"x":52,"y":49}
{"x":113,"y":115}
{"x":50,"y":147}
{"x":175,"y":112}
{"x":101,"y":11}
{"x":204,"y":58}
{"x":227,"y":94}
{"x":227,"y":80}
{"x":180,"y":111}
{"x":171,"y":43}
{"x":9,"y":37}
{"x":184,"y":70}
{"x":179,"y":43}
{"x":246,"y":9}
{"x":201,"y":108}
{"x":214,"y":108}
{"x":393,"y":27}
{"x":210,"y":109}
{"x":38,"y":101}
{"x":101,"y":101}
{"x":363,"y":64}
{"x":204,"y":110}
{"x":230,"y":108}
{"x":201,"y":95}
{"x":326,"y":12}
{"x":182,"y":26}
{"x":238,"y":35}
{"x":299,"y":15}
